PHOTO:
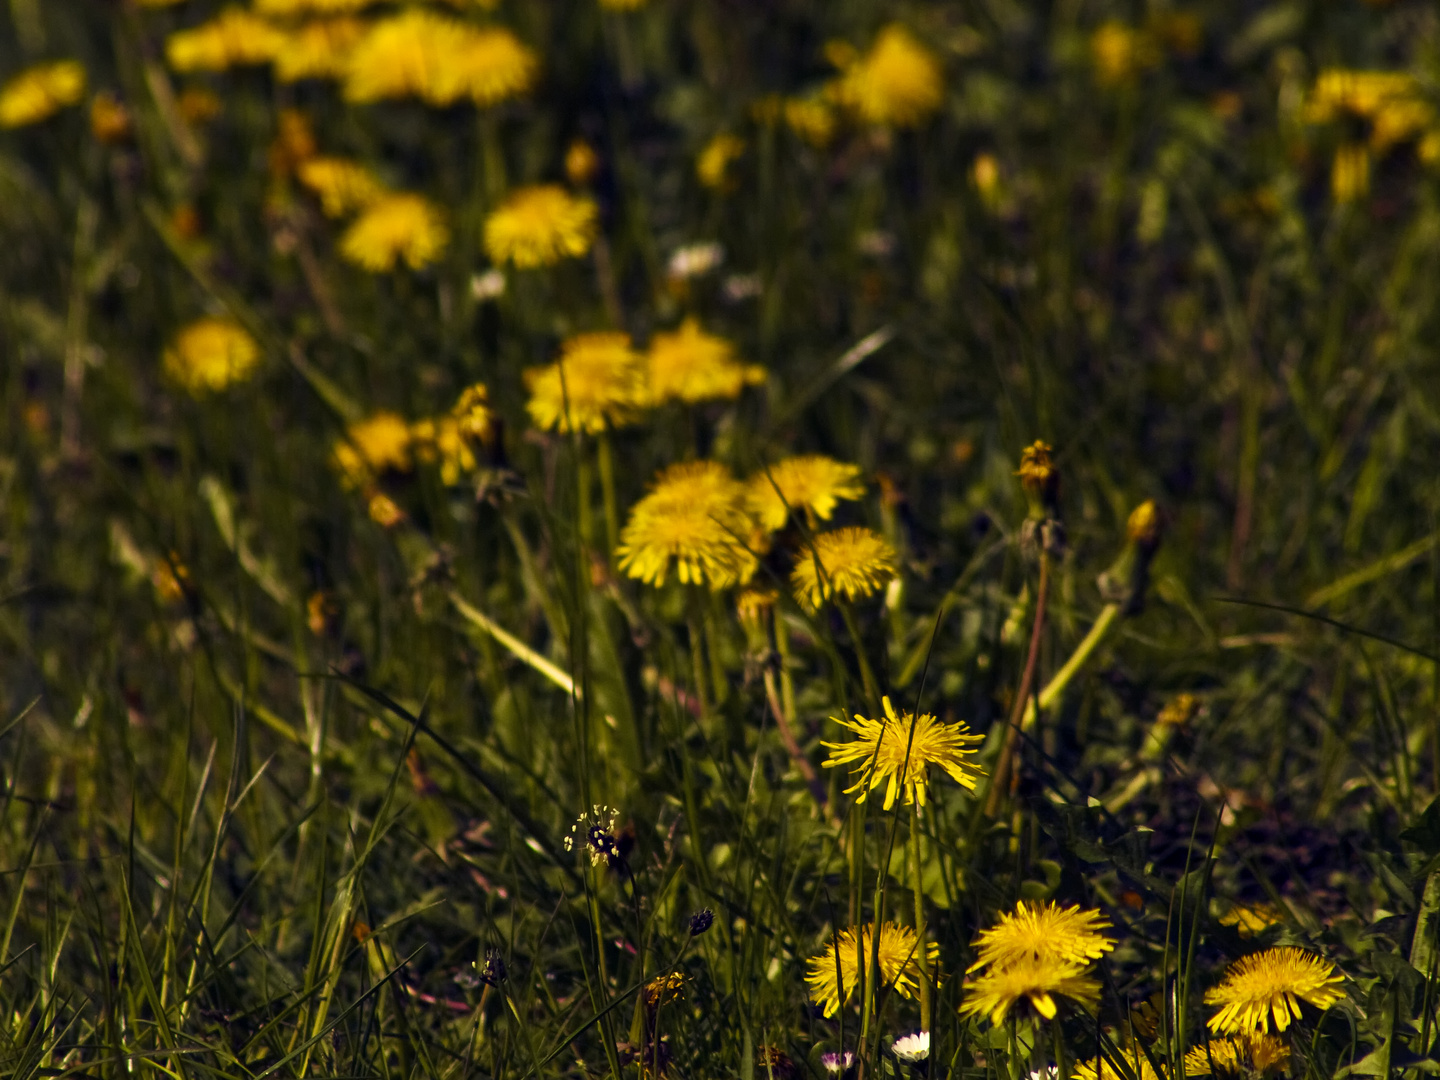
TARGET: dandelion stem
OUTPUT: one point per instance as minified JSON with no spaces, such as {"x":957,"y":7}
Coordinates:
{"x":867,"y":677}
{"x":917,"y":885}
{"x":1022,"y":695}
{"x":607,"y":491}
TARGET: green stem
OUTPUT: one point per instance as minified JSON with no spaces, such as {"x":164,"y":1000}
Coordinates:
{"x":787,"y":682}
{"x":582,"y":497}
{"x":867,"y":677}
{"x":1109,"y":617}
{"x":607,"y":490}
{"x":917,"y":885}
{"x":720,"y":684}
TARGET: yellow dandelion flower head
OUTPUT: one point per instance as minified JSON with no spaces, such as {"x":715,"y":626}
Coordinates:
{"x":540,"y":225}
{"x":39,"y":92}
{"x":299,"y":8}
{"x":380,"y":442}
{"x":854,"y":562}
{"x":1047,"y":931}
{"x":899,"y":749}
{"x":1339,"y":91}
{"x":598,"y":380}
{"x":1101,"y":1069}
{"x":834,"y":975}
{"x":1034,"y":979}
{"x":439,"y":60}
{"x":694,"y":517}
{"x":898,"y":83}
{"x":234,"y":38}
{"x":691,"y":365}
{"x":472,"y":412}
{"x":211,"y":354}
{"x":1272,"y":984}
{"x":1247,"y":1055}
{"x":1120,"y":52}
{"x":343,"y":186}
{"x":318,"y":50}
{"x":1251,"y":919}
{"x":395,"y":227}
{"x":811,"y":484}
{"x":442,"y":440}
{"x":713,"y":164}
{"x":811,"y":119}
{"x":110,"y":120}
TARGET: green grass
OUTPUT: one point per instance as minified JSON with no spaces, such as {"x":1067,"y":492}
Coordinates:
{"x":236,"y":844}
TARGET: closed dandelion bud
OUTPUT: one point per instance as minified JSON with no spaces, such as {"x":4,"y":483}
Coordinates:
{"x":1040,"y":479}
{"x":701,"y":921}
{"x":1143,"y":526}
{"x":582,"y":163}
{"x":1124,"y":583}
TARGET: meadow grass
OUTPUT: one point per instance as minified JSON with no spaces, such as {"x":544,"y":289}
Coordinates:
{"x":407,"y":748}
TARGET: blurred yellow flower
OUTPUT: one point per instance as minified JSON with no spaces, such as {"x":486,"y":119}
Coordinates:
{"x":395,"y":227}
{"x":1120,"y":52}
{"x":383,"y":510}
{"x":691,"y":365}
{"x":599,"y":380}
{"x":540,"y":225}
{"x":1102,"y":1069}
{"x":381,"y":442}
{"x":811,"y":484}
{"x":1046,"y":931}
{"x":1350,"y":173}
{"x":294,"y":142}
{"x":39,"y":92}
{"x":811,"y":119}
{"x":342,"y":186}
{"x":317,"y":50}
{"x":853,"y":562}
{"x":713,"y":164}
{"x":898,"y":750}
{"x":197,"y":105}
{"x":1272,"y":983}
{"x":210,"y":354}
{"x":834,"y":975}
{"x":234,"y":38}
{"x":694,"y":516}
{"x":582,"y":163}
{"x":1038,"y":980}
{"x":443,"y":440}
{"x":898,"y":83}
{"x":472,"y":412}
{"x":622,"y":5}
{"x":110,"y":121}
{"x":439,"y":60}
{"x":298,"y":8}
{"x":1243,"y":1055}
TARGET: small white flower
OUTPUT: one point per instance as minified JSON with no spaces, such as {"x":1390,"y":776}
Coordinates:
{"x":742,"y":287}
{"x":912,"y":1048}
{"x":692,"y":260}
{"x":487,"y":286}
{"x":877,"y":243}
{"x":835,"y":1064}
{"x":1050,"y":1072}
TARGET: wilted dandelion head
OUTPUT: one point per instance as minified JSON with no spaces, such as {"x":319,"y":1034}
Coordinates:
{"x":1038,"y":980}
{"x":1248,"y":1055}
{"x":381,"y":442}
{"x":1272,"y":984}
{"x":853,"y":562}
{"x":396,"y":227}
{"x":898,"y":750}
{"x":342,"y":186}
{"x":1251,"y":919}
{"x":663,"y":989}
{"x":713,"y":165}
{"x":1037,"y":472}
{"x":834,"y":975}
{"x":912,"y":1048}
{"x":234,"y":38}
{"x":39,"y":92}
{"x":690,"y":365}
{"x":319,"y":49}
{"x":898,"y":83}
{"x":599,"y":380}
{"x":810,"y":484}
{"x":211,"y":354}
{"x":694,"y":518}
{"x":1046,"y":931}
{"x":540,"y":225}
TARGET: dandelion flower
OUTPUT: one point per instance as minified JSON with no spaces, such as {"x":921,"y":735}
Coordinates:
{"x":834,"y":975}
{"x":713,"y":164}
{"x":342,"y":186}
{"x":439,"y":60}
{"x":472,"y":412}
{"x":1100,"y":1069}
{"x":1248,"y":919}
{"x":1038,"y":980}
{"x":234,"y":38}
{"x":853,"y":562}
{"x":39,"y":92}
{"x":1272,"y":983}
{"x":812,"y":120}
{"x":691,"y":366}
{"x":694,"y":516}
{"x":110,"y":120}
{"x":443,"y":441}
{"x":295,"y":8}
{"x":812,"y":484}
{"x":379,"y":443}
{"x":211,"y":354}
{"x":1242,"y":1055}
{"x":318,"y":50}
{"x":598,"y":380}
{"x":1121,"y":52}
{"x":900,"y":749}
{"x":539,"y":226}
{"x":898,"y":83}
{"x":396,"y":227}
{"x":488,"y":66}
{"x":1046,"y":931}
{"x":912,"y":1048}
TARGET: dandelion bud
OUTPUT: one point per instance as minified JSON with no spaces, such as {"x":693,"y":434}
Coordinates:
{"x":1129,"y":575}
{"x":1040,"y":479}
{"x":581,"y":163}
{"x":701,"y":921}
{"x":1144,"y":525}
